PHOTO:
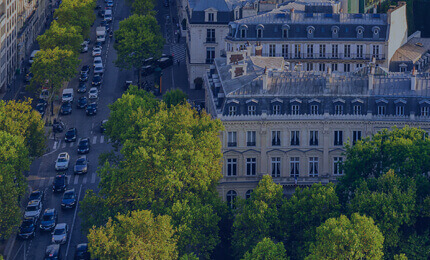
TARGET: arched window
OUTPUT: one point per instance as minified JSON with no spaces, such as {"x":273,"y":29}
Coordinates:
{"x":260,"y":28}
{"x":285,"y":29}
{"x":335,"y":32}
{"x":375,"y":31}
{"x":310,"y":30}
{"x":231,"y":197}
{"x":248,"y":194}
{"x":243,"y":30}
{"x":360,"y":31}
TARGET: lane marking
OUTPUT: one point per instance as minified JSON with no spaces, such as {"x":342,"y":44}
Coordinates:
{"x":93,"y":177}
{"x":76,"y":179}
{"x":94,"y":139}
{"x":73,"y":223}
{"x":71,"y":144}
{"x":84,"y":181}
{"x":102,"y":139}
{"x":63,"y":146}
{"x":42,"y":181}
{"x":55,"y":146}
{"x":51,"y":180}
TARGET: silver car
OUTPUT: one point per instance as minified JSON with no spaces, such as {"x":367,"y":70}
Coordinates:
{"x":62,"y":162}
{"x":59,"y":235}
{"x":33,"y":210}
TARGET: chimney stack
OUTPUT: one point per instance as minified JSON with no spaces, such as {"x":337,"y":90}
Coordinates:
{"x":258,"y":50}
{"x":414,"y":79}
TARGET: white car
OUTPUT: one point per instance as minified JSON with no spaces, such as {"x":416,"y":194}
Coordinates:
{"x":59,"y":235}
{"x":84,"y":47}
{"x":93,"y":93}
{"x":98,"y":62}
{"x":33,"y":210}
{"x":97,"y":51}
{"x":98,"y":70}
{"x":62,"y":162}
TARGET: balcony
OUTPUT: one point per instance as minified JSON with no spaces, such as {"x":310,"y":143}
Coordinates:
{"x":210,"y":40}
{"x":250,"y":143}
{"x":326,"y":56}
{"x":232,"y":144}
{"x":209,"y":61}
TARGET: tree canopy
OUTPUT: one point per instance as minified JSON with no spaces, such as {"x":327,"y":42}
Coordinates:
{"x":267,"y":250}
{"x":79,"y":13}
{"x":68,"y":37}
{"x":174,"y":97}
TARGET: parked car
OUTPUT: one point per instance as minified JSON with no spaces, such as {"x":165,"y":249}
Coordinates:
{"x":109,"y":3}
{"x":84,"y":146}
{"x":60,"y":183}
{"x":62,"y":162}
{"x":41,"y":108}
{"x":91,"y":109}
{"x":49,"y":219}
{"x":165,"y":61}
{"x":97,"y":61}
{"x":81,"y":165}
{"x":97,"y":80}
{"x":93,"y":93}
{"x":36,"y":195}
{"x":69,"y":199}
{"x":52,"y":252}
{"x":66,"y":108}
{"x":59,"y":235}
{"x":33,"y":209}
{"x":103,"y":126}
{"x":147,"y":70}
{"x":82,"y":88}
{"x":27,"y":229}
{"x":98,"y":70}
{"x":81,"y":252}
{"x":71,"y":135}
{"x":58,"y":126}
{"x":85,"y":69}
{"x":84,"y":47}
{"x":83,"y":77}
{"x":97,"y":51}
{"x":82,"y":102}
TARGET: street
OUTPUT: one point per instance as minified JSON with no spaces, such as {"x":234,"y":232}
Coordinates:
{"x":42,"y":172}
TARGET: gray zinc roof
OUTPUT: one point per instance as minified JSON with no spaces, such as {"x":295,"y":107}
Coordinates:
{"x":201,"y":5}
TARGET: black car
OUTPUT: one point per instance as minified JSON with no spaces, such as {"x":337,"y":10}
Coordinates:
{"x":97,"y":80}
{"x":103,"y":126}
{"x":27,"y":229}
{"x":82,"y":102}
{"x":41,"y":108}
{"x":82,"y":253}
{"x":84,"y":77}
{"x":165,"y":61}
{"x":52,"y":252}
{"x":66,"y":108}
{"x":58,"y":126}
{"x":147,"y":70}
{"x":36,"y":195}
{"x":82,"y":88}
{"x":60,"y":183}
{"x":69,"y":199}
{"x":85,"y":69}
{"x":103,"y":22}
{"x":91,"y":109}
{"x":49,"y":220}
{"x":71,"y":135}
{"x":84,"y":146}
{"x":99,"y":44}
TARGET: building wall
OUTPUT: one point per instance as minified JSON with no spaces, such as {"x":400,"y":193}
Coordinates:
{"x":398,"y":33}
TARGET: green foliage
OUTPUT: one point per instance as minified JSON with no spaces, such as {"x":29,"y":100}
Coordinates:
{"x":390,"y":201}
{"x":190,"y":256}
{"x":174,"y":97}
{"x":416,"y":246}
{"x":306,"y":210}
{"x":400,"y":257}
{"x":344,"y":239}
{"x":53,"y":67}
{"x":68,"y":37}
{"x":143,"y":7}
{"x":79,"y":13}
{"x":93,"y":210}
{"x":138,"y":38}
{"x":267,"y":250}
{"x":138,"y":235}
{"x":257,"y":217}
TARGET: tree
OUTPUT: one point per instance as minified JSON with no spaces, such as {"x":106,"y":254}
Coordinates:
{"x":77,"y":13}
{"x":390,"y":201}
{"x":341,"y":238}
{"x":138,"y":38}
{"x":13,"y":161}
{"x":52,"y":67}
{"x":174,"y":97}
{"x":306,"y":210}
{"x":257,"y":217}
{"x":267,"y":250}
{"x":138,"y":235}
{"x":19,"y":118}
{"x":143,"y":7}
{"x":68,"y":37}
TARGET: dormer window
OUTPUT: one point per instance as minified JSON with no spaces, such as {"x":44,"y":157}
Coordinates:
{"x":252,"y":110}
{"x":285,"y":29}
{"x":360,"y":31}
{"x":310,"y":31}
{"x":243,"y":30}
{"x":260,"y":28}
{"x":232,"y":110}
{"x":211,"y":17}
{"x":335,"y":32}
{"x":375,"y":31}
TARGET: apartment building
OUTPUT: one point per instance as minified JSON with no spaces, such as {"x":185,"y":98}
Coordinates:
{"x":8,"y":59}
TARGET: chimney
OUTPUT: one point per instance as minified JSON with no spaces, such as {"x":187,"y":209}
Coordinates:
{"x":414,"y":79}
{"x":375,"y":9}
{"x":371,"y":75}
{"x":258,"y":50}
{"x":292,"y":14}
{"x":265,"y":79}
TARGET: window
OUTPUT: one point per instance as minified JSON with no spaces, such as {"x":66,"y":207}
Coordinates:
{"x":231,"y":167}
{"x":356,"y":109}
{"x":295,"y":138}
{"x":310,"y":52}
{"x":243,"y":33}
{"x":211,"y":17}
{"x":381,"y":110}
{"x":337,"y":165}
{"x":248,"y":194}
{"x":338,"y":109}
{"x":313,"y":166}
{"x":338,"y":137}
{"x":322,"y":66}
{"x":334,"y":51}
{"x":322,"y":50}
{"x":295,"y":109}
{"x":276,"y":109}
{"x":232,"y":111}
{"x":403,"y":68}
{"x":356,"y":136}
{"x":272,"y":50}
{"x":309,"y":66}
{"x":346,"y":67}
{"x":425,"y":111}
{"x":314,"y":109}
{"x":210,"y":35}
{"x":210,"y":55}
{"x":297,"y":51}
{"x":294,"y":167}
{"x":400,"y":110}
{"x":231,"y":198}
{"x":251,"y":138}
{"x":376,"y":51}
{"x":259,"y":33}
{"x":284,"y":33}
{"x":276,"y":167}
{"x":251,"y":166}
{"x":360,"y":51}
{"x":276,"y":138}
{"x":285,"y":51}
{"x":334,"y":67}
{"x":252,"y":110}
{"x":232,"y":141}
{"x":313,"y":138}
{"x":347,"y":52}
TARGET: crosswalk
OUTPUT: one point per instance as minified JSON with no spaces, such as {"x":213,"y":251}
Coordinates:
{"x":73,"y":179}
{"x":95,"y":139}
{"x":179,"y":52}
